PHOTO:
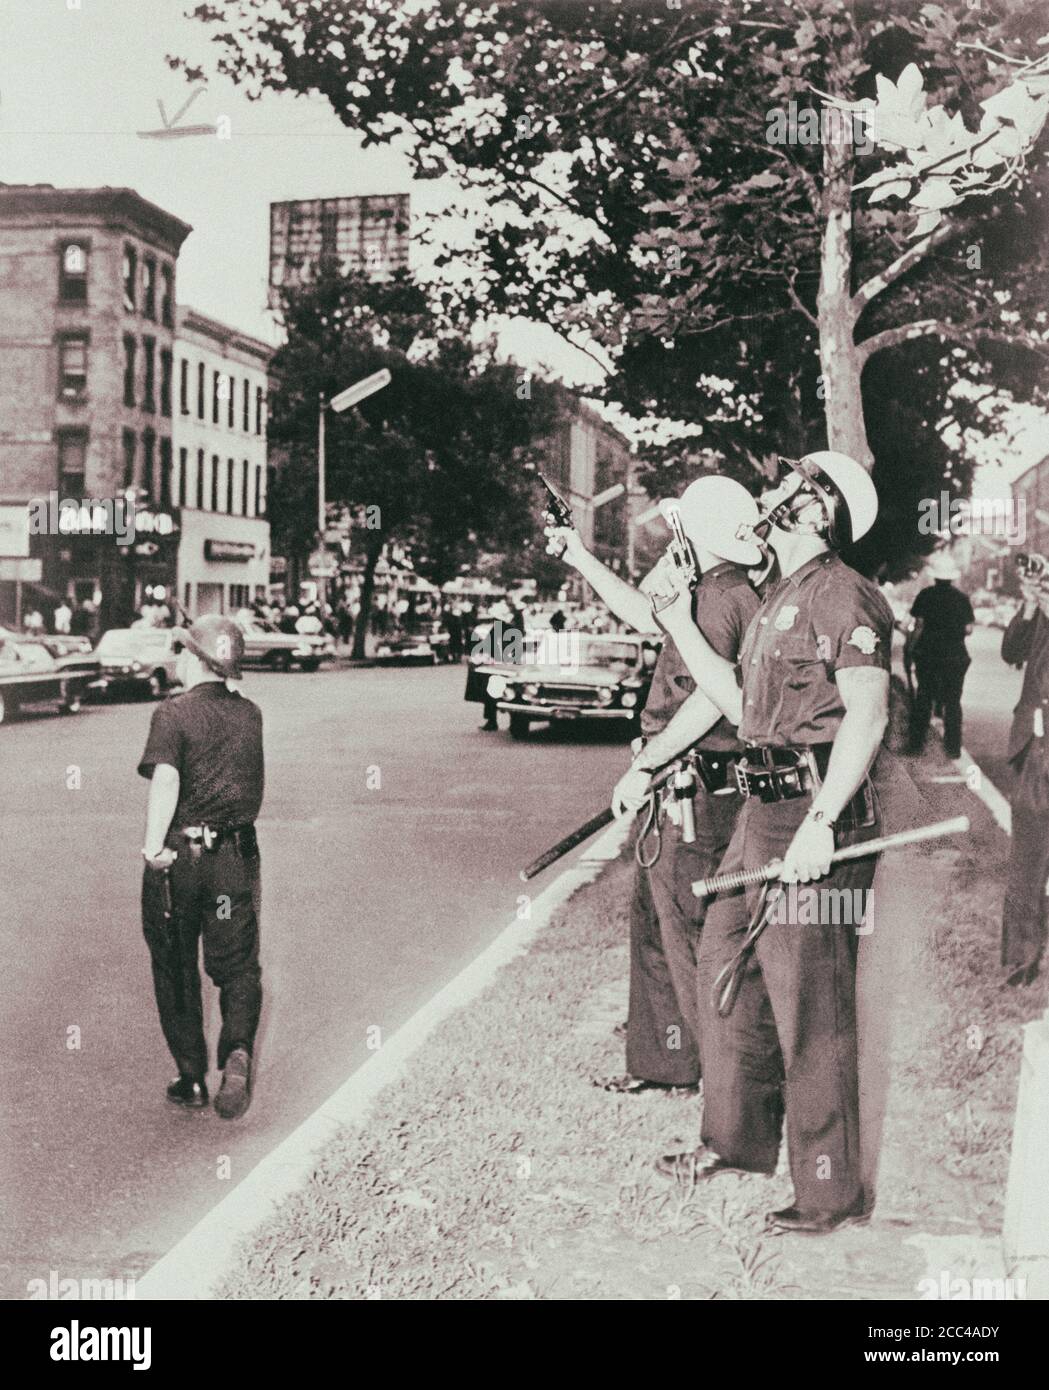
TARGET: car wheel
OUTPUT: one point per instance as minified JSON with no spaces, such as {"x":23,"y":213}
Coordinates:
{"x":157,"y":684}
{"x":309,"y":665}
{"x":519,"y":726}
{"x":7,"y":707}
{"x":279,"y":661}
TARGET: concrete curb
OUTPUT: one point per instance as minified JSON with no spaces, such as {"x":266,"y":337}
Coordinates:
{"x":192,"y":1268}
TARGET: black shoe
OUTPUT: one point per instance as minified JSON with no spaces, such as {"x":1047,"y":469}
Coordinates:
{"x":489,"y":726}
{"x":1025,"y":975}
{"x":953,"y":753}
{"x":635,"y":1085}
{"x":790,"y":1219}
{"x":187,"y":1091}
{"x":234,"y":1095}
{"x":697,"y":1165}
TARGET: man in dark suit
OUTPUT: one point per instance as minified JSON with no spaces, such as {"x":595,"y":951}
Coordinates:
{"x":1026,"y":644}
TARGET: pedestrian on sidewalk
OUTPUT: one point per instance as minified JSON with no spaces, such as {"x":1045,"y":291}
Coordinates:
{"x":942,"y":619}
{"x":814,"y":706}
{"x":204,"y":759}
{"x":665,"y":918}
{"x":1024,"y":930}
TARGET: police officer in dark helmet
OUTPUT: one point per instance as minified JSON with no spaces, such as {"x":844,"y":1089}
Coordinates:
{"x":812,"y":711}
{"x":201,"y":881}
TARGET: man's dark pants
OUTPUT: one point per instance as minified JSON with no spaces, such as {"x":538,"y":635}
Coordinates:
{"x":939,"y":685}
{"x":1024,"y":913}
{"x":791,"y":1037}
{"x":665,"y":923}
{"x":216,"y":899}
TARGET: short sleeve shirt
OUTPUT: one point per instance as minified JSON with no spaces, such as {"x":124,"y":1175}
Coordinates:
{"x":213,"y":738}
{"x":722,"y":607}
{"x":945,"y":613}
{"x":821,"y":619}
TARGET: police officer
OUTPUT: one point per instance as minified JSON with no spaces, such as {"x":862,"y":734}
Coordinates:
{"x":814,"y":706}
{"x":943,"y":618}
{"x":1026,"y":643}
{"x":665,"y":918}
{"x":201,"y":881}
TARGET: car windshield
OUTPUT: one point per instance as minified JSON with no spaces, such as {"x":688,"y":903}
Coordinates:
{"x":121,"y":640}
{"x":613,"y":656}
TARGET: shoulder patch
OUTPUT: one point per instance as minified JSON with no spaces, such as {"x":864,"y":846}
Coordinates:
{"x":785,"y":617}
{"x":864,"y":638}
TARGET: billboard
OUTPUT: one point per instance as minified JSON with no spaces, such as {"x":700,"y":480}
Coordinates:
{"x":368,"y":235}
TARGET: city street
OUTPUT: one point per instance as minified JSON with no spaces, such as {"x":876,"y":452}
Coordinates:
{"x":991,"y":690}
{"x":374,"y":896}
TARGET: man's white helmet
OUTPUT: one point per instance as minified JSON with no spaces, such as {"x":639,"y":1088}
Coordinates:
{"x":851,"y":481}
{"x":717,"y":514}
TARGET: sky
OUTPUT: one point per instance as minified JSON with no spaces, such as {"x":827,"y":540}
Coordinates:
{"x":80,"y":78}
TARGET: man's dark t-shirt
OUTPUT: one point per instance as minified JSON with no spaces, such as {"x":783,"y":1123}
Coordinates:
{"x":213,"y":738}
{"x":945,"y":613}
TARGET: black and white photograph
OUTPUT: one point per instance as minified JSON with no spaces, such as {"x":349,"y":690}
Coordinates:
{"x":524,"y":669}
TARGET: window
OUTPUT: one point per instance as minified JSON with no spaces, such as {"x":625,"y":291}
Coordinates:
{"x":200,"y":480}
{"x":183,"y":386}
{"x":230,"y":472}
{"x":246,"y":418}
{"x":216,"y":396}
{"x":149,"y":450}
{"x":260,"y":500}
{"x":167,"y":296}
{"x":130,"y":278}
{"x":72,"y":455}
{"x":129,"y":371}
{"x":258,"y":410}
{"x":72,"y":366}
{"x":149,"y":347}
{"x":214,"y":482}
{"x":201,"y":389}
{"x":245,"y":490}
{"x":183,"y":464}
{"x":231,"y":406}
{"x":149,"y":287}
{"x":72,"y":272}
{"x":130,"y":449}
{"x":165,"y":382}
{"x":165,"y":472}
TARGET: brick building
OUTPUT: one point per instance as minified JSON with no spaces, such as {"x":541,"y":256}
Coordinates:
{"x":87,"y":326}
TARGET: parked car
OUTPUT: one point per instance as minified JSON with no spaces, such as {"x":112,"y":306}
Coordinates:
{"x":573,"y":676}
{"x":71,"y":654}
{"x":138,"y":660}
{"x":30,"y":676}
{"x":264,"y":645}
{"x":428,"y":645}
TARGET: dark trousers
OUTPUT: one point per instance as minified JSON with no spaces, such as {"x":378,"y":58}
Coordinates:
{"x":665,"y":923}
{"x":216,"y":899}
{"x":1024,"y":913}
{"x":790,"y":1041}
{"x":939,"y":685}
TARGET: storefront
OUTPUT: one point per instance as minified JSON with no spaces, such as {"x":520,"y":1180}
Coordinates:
{"x":223,"y":561}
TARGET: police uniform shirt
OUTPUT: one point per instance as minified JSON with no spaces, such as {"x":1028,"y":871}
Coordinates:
{"x":723,"y":605}
{"x":213,"y":738}
{"x":821,"y":619}
{"x":945,"y":613}
{"x":1026,"y":643}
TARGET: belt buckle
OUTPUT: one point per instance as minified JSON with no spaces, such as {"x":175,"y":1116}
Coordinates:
{"x":208,"y":837}
{"x":739,"y":770}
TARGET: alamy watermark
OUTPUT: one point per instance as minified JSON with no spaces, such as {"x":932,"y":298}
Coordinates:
{"x":88,"y":516}
{"x":807,"y":905}
{"x":1005,"y":517}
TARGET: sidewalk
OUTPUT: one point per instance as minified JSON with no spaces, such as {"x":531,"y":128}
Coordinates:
{"x":496,"y":1170}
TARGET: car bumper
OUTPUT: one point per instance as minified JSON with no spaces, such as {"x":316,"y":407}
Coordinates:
{"x":566,"y":711}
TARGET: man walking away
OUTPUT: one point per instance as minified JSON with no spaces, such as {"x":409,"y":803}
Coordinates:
{"x":943,"y":618}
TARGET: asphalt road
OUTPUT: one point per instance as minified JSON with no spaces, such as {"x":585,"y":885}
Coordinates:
{"x":374,"y":896}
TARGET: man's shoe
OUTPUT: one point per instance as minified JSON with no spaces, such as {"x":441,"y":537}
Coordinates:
{"x":489,"y":726}
{"x":234,"y":1095}
{"x":790,"y":1219}
{"x":697,"y":1165}
{"x":635,"y":1085}
{"x":187,"y":1091}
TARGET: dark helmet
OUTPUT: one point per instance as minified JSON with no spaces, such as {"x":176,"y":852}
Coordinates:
{"x":217,"y":641}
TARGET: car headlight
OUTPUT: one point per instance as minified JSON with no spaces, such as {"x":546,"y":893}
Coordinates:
{"x":496,"y":686}
{"x":604,"y":694}
{"x":136,"y":666}
{"x":531,"y":691}
{"x":628,"y":699}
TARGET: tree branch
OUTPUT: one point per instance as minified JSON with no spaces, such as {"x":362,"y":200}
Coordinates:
{"x":902,"y":264}
{"x":965,"y":333}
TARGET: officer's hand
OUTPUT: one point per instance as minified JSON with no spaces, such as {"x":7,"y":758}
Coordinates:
{"x":566,"y":542}
{"x":630,"y":791}
{"x":809,"y":854}
{"x":163,"y":860}
{"x":667,"y":587}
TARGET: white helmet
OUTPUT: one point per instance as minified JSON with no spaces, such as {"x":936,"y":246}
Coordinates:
{"x":942,"y":565}
{"x":852,"y":483}
{"x":717,"y":515}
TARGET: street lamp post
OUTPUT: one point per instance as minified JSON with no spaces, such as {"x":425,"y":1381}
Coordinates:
{"x":359,"y":391}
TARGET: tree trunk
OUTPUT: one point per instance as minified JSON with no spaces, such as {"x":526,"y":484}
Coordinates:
{"x":840,"y":363}
{"x":363,"y":620}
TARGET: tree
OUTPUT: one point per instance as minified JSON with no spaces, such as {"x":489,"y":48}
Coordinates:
{"x":655,"y":185}
{"x":437,"y":460}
